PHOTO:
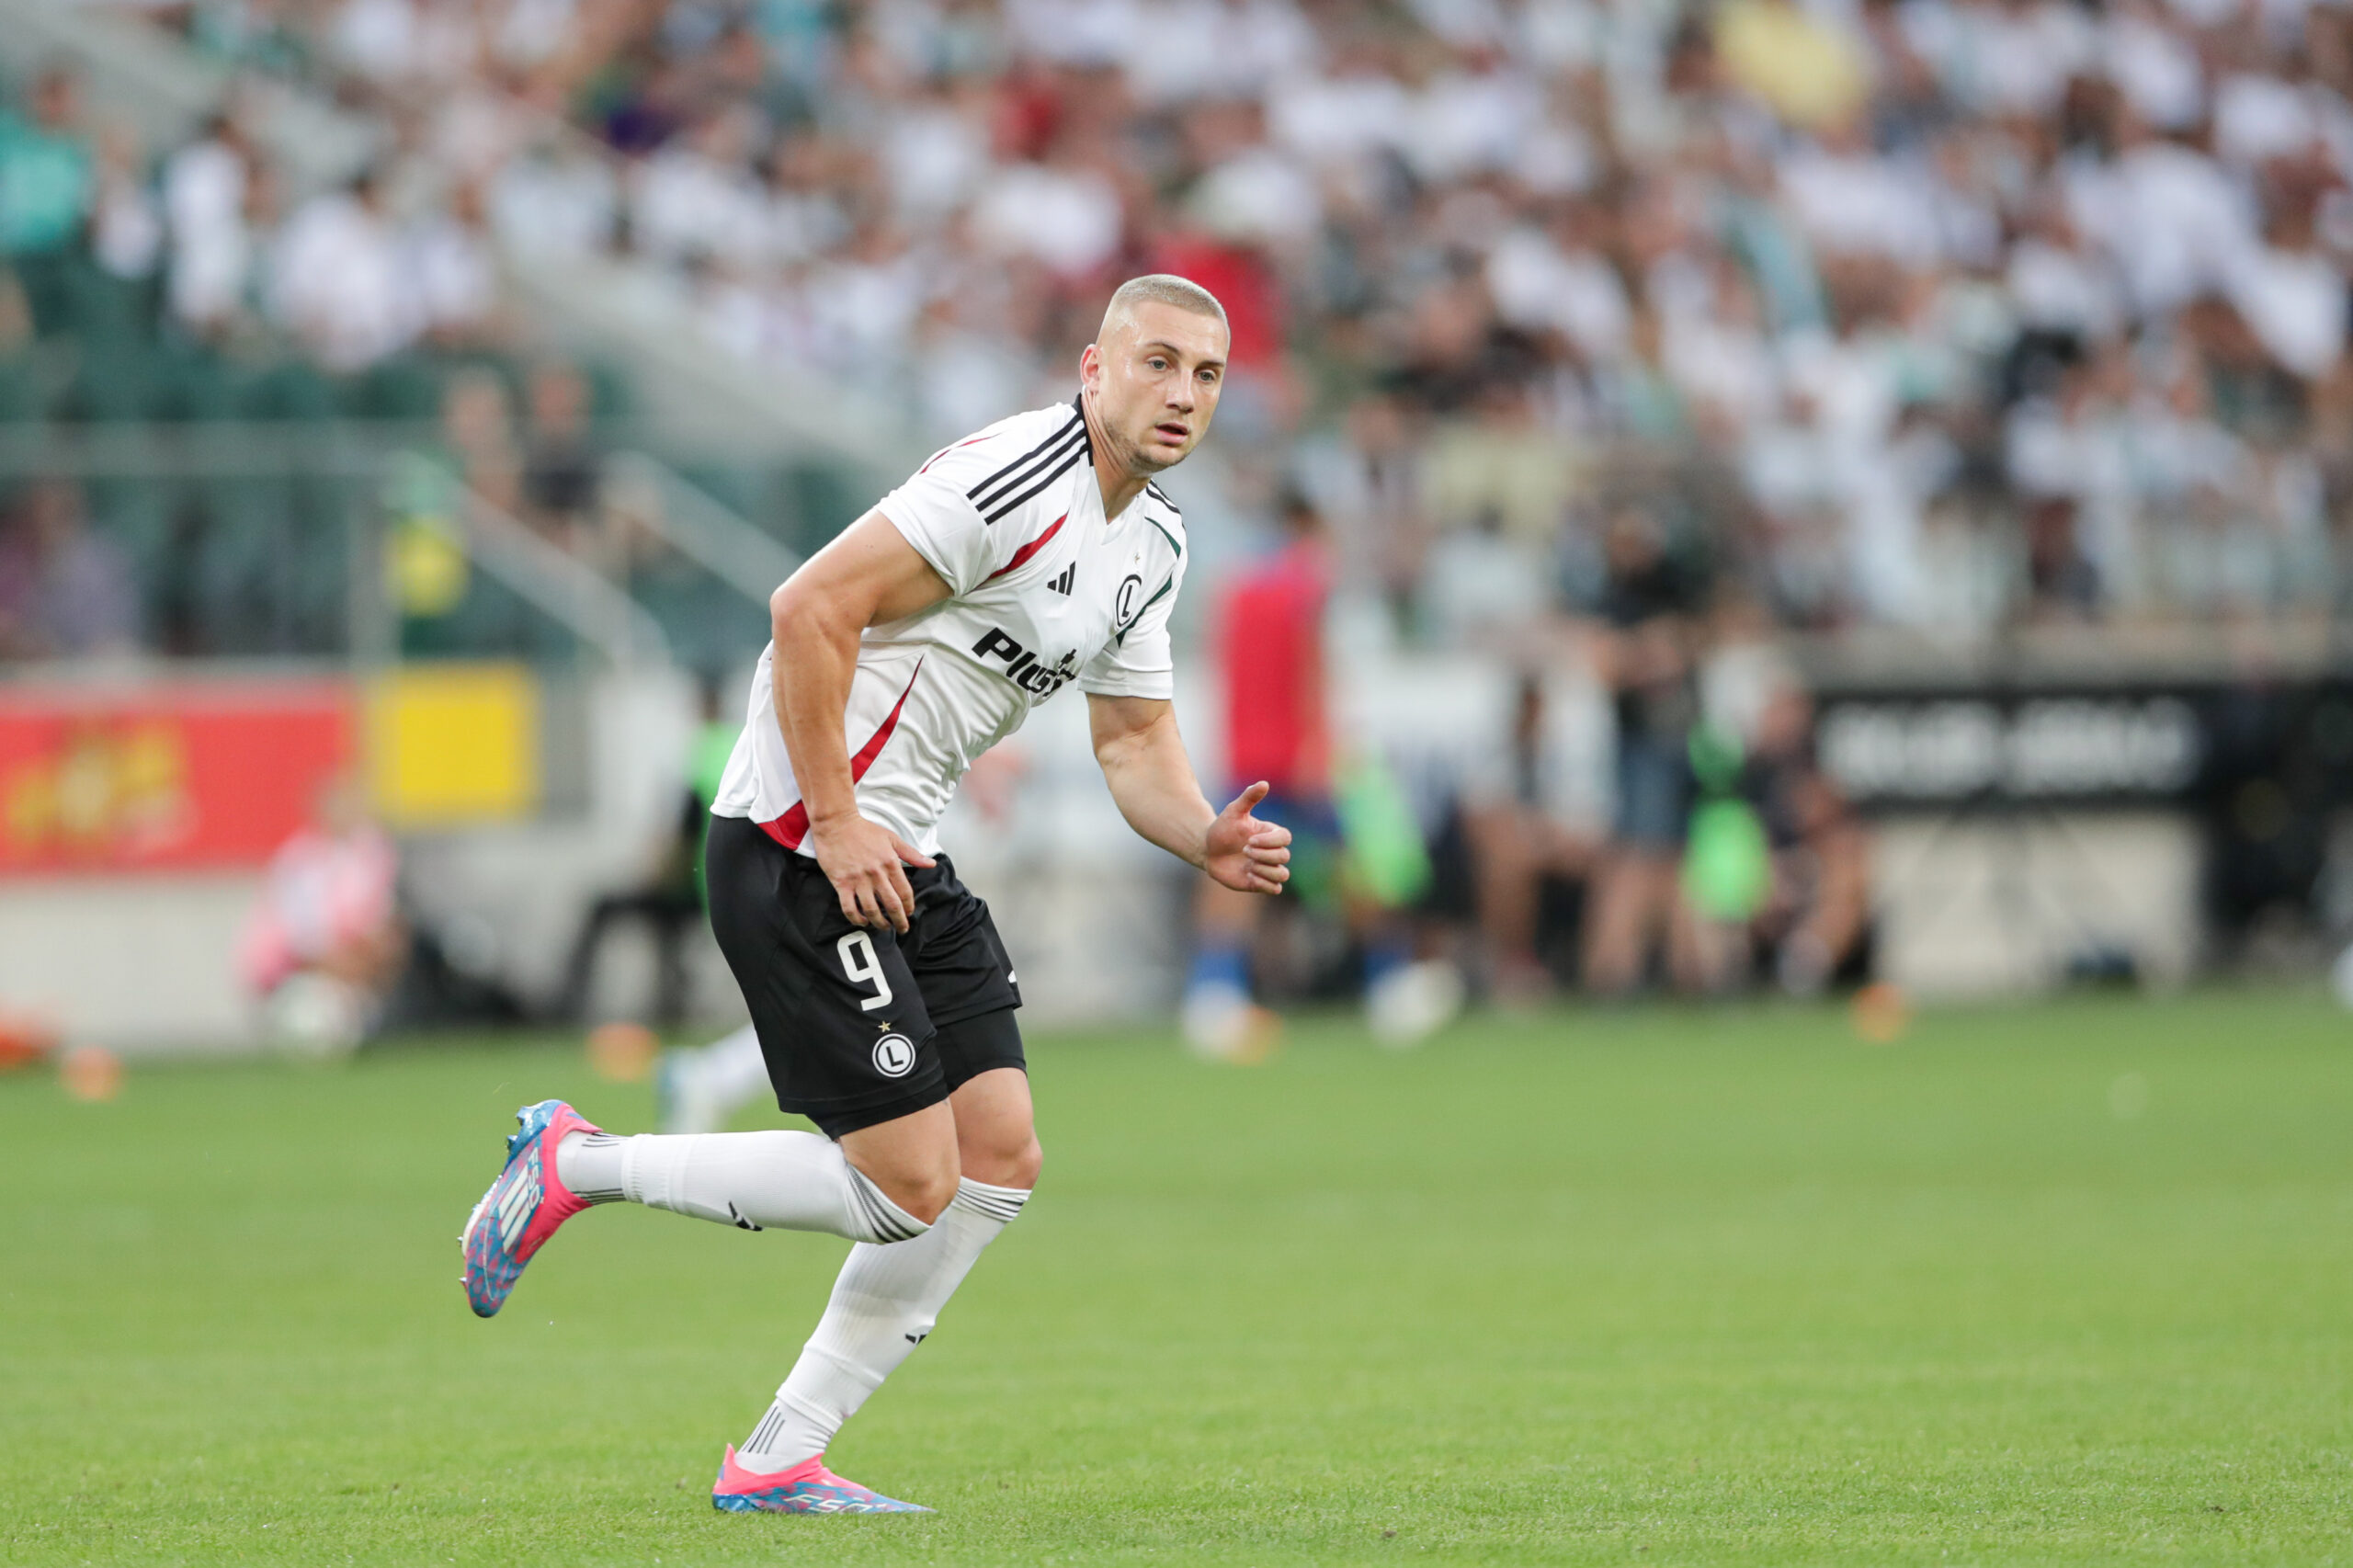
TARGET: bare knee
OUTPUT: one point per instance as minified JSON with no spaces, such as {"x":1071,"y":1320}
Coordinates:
{"x":1001,"y":1150}
{"x":912,"y":1159}
{"x":996,"y":1138}
{"x":923,"y":1194}
{"x":1011,"y":1161}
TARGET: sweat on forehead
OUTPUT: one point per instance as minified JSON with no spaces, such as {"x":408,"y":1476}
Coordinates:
{"x":1158,"y":289}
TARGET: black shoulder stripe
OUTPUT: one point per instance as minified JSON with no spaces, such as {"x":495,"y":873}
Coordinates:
{"x":987,"y":496}
{"x":1069,"y":461}
{"x":1015,"y":471}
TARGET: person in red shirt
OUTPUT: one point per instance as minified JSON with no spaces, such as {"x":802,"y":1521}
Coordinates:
{"x":1270,"y":642}
{"x":1269,"y":633}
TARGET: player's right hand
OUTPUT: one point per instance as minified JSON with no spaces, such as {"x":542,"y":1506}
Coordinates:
{"x":866,"y":864}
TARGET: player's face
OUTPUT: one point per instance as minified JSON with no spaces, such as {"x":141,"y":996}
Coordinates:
{"x":1155,"y":378}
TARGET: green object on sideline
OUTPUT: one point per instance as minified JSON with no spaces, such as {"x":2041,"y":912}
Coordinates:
{"x":1727,"y":860}
{"x":1727,"y":864}
{"x":707,"y":768}
{"x":714,"y":743}
{"x":1386,"y":858}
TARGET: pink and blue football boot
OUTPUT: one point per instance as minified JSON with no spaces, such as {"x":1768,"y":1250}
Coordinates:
{"x":523,"y":1206}
{"x":807,"y":1488}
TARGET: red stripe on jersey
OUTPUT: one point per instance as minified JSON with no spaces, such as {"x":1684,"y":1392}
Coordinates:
{"x":1021,"y":557}
{"x":794,"y":826}
{"x":945,"y":451}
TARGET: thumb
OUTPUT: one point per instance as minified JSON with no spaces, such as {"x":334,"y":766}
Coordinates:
{"x":909,"y":853}
{"x":1248,"y":799}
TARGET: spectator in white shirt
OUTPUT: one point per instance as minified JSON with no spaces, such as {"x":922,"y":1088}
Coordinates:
{"x":556,"y":199}
{"x":204,"y":187}
{"x":1855,"y":201}
{"x":1337,"y":119}
{"x":2155,"y":65}
{"x":1064,"y":213}
{"x":452,"y":270}
{"x":1555,"y":280}
{"x":126,"y":226}
{"x":336,"y":280}
{"x":698,"y":195}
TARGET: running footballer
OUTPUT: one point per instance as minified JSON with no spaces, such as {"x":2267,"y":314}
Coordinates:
{"x":1035,"y":554}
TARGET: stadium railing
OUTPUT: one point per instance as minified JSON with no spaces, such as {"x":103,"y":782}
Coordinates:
{"x":359,"y":540}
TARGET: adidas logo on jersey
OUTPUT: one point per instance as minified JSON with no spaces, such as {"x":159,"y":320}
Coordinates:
{"x":1026,"y":669}
{"x":1062,"y":585}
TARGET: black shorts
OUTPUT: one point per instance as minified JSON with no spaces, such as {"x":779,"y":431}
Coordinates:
{"x":860,"y":1026}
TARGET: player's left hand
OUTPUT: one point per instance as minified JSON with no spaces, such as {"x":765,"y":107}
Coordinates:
{"x":1245,"y":853}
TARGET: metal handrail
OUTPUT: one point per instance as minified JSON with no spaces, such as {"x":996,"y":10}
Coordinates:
{"x":562,"y":588}
{"x":716,"y":538}
{"x":574,"y":595}
{"x":206,"y":450}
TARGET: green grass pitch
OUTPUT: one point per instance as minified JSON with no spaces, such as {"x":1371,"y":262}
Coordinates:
{"x":2059,"y":1283}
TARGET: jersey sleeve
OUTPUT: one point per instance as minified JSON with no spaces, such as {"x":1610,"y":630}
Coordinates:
{"x":955,"y":508}
{"x":1139,"y":660}
{"x":934,"y":512}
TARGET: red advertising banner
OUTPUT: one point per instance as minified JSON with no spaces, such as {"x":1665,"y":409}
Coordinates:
{"x":165,"y":776}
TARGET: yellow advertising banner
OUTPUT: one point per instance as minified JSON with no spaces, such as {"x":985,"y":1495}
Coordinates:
{"x":452,"y":745}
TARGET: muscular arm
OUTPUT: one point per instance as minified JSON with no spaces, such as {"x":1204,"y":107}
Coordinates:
{"x":1144,"y":761}
{"x":871,"y":574}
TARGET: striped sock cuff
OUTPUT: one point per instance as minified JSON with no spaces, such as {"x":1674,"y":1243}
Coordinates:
{"x":1002,"y":1204}
{"x":764,"y":1435}
{"x":877,"y":1217}
{"x":598,"y":1156}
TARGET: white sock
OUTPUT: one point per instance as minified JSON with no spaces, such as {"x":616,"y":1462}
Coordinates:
{"x":793,"y":1181}
{"x":884,"y":1303}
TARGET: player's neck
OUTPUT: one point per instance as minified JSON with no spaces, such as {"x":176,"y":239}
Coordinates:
{"x":1113,"y":477}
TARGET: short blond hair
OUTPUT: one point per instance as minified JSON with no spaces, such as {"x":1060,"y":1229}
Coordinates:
{"x":1159,"y":289}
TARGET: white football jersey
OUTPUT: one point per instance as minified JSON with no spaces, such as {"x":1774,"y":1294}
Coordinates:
{"x":1043,"y":590}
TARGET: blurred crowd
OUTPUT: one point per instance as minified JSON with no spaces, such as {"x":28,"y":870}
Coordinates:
{"x":1936,"y":314}
{"x":1932,"y":312}
{"x":354,"y":275}
{"x":162,"y":286}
